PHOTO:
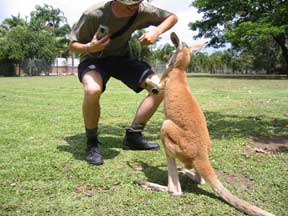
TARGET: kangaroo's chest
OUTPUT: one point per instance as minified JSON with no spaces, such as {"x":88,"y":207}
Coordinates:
{"x":181,"y":107}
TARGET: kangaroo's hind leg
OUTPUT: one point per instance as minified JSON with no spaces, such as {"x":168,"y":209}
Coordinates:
{"x":174,"y":186}
{"x":193,"y":175}
{"x":152,"y":186}
{"x":170,"y":135}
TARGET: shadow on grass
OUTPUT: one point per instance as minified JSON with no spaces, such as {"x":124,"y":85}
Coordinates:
{"x":239,"y":76}
{"x":233,"y":126}
{"x":221,"y":126}
{"x":225,"y":126}
{"x":110,"y":138}
{"x":159,"y":176}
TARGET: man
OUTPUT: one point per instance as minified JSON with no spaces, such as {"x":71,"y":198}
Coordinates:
{"x":108,"y":56}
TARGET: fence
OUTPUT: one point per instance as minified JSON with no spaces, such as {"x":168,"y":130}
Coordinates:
{"x":7,"y":69}
{"x":60,"y":66}
{"x":158,"y":67}
{"x":36,"y":67}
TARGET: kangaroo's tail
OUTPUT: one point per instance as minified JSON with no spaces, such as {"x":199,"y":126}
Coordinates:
{"x":204,"y":168}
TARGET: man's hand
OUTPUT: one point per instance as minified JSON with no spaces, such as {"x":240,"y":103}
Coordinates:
{"x":97,"y":45}
{"x":149,"y":38}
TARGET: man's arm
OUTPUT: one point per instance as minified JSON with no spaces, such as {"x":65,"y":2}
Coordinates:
{"x":93,"y":46}
{"x":151,"y":37}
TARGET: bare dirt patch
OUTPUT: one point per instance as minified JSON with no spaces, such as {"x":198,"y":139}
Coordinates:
{"x":267,"y":145}
{"x":243,"y":183}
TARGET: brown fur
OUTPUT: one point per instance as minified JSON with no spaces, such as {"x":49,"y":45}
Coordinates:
{"x":185,"y":135}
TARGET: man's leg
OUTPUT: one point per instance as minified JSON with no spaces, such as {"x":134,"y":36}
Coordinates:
{"x":134,"y":139}
{"x":93,"y":85}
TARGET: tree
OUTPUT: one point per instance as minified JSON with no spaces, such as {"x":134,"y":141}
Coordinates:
{"x":215,"y":62}
{"x":12,"y":22}
{"x":136,"y":49}
{"x":52,"y":19}
{"x":165,"y":52}
{"x":48,"y":16}
{"x":41,"y":39}
{"x":243,"y":22}
{"x":24,"y":44}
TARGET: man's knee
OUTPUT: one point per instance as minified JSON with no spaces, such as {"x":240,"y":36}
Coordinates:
{"x":92,"y":83}
{"x":158,"y":98}
{"x":92,"y":90}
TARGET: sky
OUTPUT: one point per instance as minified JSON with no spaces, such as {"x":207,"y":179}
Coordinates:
{"x":73,"y":10}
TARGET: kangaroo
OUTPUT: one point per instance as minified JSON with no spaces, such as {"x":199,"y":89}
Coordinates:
{"x":185,"y":135}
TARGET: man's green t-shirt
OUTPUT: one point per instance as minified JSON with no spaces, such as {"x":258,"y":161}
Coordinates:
{"x":102,"y":14}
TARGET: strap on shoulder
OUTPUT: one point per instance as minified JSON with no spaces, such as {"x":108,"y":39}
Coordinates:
{"x":125,"y":27}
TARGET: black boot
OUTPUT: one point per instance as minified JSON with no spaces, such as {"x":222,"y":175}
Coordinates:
{"x":93,"y":155}
{"x":134,"y":140}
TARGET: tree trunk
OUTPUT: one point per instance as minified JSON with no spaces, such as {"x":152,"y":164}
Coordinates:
{"x":281,"y":41}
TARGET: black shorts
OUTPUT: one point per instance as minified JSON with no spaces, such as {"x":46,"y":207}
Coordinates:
{"x":129,"y":70}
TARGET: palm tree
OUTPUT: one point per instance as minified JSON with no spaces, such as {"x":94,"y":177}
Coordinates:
{"x":12,"y":22}
{"x":52,"y":19}
{"x":49,"y":16}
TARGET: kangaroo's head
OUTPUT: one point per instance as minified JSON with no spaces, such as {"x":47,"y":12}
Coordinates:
{"x":182,"y":55}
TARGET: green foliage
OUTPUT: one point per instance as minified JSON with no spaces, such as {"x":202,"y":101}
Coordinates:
{"x":44,"y":37}
{"x":136,"y":49}
{"x":164,"y":52}
{"x":199,"y":62}
{"x":24,"y":44}
{"x":48,"y":16}
{"x":224,"y":62}
{"x":264,"y":17}
{"x":245,"y":24}
{"x":12,"y":22}
{"x":52,"y":19}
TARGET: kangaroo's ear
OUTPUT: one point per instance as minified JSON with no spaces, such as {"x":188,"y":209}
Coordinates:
{"x":175,"y":40}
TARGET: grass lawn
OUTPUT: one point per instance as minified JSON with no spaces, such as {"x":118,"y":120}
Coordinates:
{"x":42,"y":150}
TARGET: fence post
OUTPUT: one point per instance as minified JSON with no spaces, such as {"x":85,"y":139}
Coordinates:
{"x":73,"y":64}
{"x":30,"y":68}
{"x":57,"y":66}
